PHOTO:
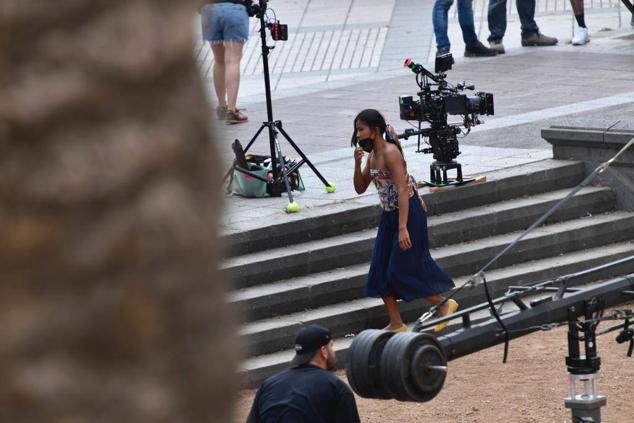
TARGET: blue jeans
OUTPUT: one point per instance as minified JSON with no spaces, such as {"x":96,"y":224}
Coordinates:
{"x":497,"y":18}
{"x":465,"y":17}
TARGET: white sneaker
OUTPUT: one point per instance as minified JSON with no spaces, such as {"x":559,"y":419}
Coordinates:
{"x":581,"y":37}
{"x":497,"y":46}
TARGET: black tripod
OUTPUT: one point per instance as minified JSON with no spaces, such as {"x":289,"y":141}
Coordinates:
{"x":281,"y":171}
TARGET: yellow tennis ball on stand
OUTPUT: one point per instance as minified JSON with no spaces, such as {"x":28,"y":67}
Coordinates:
{"x":330,"y":188}
{"x":292,"y":207}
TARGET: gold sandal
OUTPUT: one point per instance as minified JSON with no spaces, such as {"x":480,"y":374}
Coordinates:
{"x":402,"y":328}
{"x":451,"y":309}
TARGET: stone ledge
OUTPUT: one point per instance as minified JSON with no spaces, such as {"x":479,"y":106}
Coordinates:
{"x":595,"y":145}
{"x":607,"y":137}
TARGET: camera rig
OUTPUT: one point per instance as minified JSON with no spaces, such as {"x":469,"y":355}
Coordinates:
{"x":437,"y":99}
{"x":279,"y":31}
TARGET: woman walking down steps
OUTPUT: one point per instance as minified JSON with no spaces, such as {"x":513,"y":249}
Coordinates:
{"x":402,"y":267}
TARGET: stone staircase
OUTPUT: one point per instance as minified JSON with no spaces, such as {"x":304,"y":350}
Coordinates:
{"x":316,"y":272}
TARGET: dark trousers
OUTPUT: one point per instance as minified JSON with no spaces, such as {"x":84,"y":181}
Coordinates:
{"x":497,"y":18}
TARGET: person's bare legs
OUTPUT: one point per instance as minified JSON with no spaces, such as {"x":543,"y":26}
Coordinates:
{"x":577,"y":7}
{"x":578,"y":10}
{"x":393,"y":313}
{"x":233,"y":54}
{"x":218,"y":50}
{"x":449,"y":307}
{"x":437,"y":299}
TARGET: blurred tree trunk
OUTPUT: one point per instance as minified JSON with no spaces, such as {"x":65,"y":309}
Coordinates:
{"x":111,"y":307}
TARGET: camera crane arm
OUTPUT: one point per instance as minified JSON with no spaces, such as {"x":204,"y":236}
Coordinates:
{"x":412,"y":366}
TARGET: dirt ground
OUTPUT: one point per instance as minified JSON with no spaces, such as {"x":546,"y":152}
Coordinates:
{"x":530,"y":387}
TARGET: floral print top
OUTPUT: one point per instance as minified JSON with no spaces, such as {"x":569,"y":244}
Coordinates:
{"x":388,"y":194}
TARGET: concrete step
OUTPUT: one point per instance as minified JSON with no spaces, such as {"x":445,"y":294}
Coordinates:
{"x":255,"y":369}
{"x":268,"y":335}
{"x":346,"y":283}
{"x":449,"y":228}
{"x":530,"y":179}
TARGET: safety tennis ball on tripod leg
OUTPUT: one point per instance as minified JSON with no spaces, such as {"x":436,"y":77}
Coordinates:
{"x":330,"y":188}
{"x":292,"y":207}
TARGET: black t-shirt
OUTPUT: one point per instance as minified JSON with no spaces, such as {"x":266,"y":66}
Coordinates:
{"x":306,"y":394}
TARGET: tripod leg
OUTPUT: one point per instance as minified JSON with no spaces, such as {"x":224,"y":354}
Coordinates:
{"x":329,"y":186}
{"x":230,"y":171}
{"x":280,"y":159}
{"x":254,"y":137}
{"x":292,"y":205}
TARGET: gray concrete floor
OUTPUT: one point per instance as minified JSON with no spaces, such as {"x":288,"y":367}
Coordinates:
{"x":533,"y":88}
{"x":344,"y":40}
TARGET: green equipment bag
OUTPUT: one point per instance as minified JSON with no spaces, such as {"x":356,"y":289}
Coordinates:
{"x":249,"y":186}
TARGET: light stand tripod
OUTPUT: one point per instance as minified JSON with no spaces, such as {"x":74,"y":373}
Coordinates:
{"x":280,"y":181}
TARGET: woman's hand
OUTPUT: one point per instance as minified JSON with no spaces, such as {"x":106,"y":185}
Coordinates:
{"x":358,"y":155}
{"x":403,"y":239}
{"x":361,"y":177}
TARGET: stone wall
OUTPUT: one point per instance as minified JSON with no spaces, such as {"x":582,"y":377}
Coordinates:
{"x":111,"y":308}
{"x":595,"y":145}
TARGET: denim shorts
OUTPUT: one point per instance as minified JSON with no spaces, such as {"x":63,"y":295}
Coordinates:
{"x":225,"y":22}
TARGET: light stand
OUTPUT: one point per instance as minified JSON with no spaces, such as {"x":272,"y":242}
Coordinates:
{"x":280,"y":181}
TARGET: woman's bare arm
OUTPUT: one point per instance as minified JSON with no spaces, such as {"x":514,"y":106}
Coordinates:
{"x":361,"y":177}
{"x":396,"y":165}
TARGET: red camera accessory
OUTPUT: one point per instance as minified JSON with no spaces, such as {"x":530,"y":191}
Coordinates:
{"x":279,"y":32}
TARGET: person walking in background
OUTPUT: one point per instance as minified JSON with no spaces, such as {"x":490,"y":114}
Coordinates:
{"x":308,"y":392}
{"x":581,"y":36}
{"x":530,"y":31}
{"x":225,"y":25}
{"x":473,"y":47}
{"x":401,"y":266}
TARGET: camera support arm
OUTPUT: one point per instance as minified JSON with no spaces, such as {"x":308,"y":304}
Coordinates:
{"x":420,"y":69}
{"x":426,"y":132}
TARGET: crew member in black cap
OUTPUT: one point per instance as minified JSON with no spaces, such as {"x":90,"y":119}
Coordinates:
{"x":308,"y":392}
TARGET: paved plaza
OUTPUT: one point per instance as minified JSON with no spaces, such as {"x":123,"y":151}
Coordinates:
{"x":344,"y":40}
{"x":345,"y":56}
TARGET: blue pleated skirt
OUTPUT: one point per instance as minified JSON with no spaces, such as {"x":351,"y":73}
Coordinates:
{"x":407,"y":275}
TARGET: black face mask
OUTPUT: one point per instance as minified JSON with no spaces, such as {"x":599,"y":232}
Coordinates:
{"x":366,"y":144}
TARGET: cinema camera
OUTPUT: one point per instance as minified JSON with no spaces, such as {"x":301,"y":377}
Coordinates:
{"x":437,"y":99}
{"x":279,"y":31}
